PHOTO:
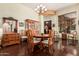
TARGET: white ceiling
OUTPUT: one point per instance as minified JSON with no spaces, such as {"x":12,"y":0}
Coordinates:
{"x":50,"y":6}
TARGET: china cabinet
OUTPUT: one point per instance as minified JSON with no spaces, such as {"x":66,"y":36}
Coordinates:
{"x":31,"y":24}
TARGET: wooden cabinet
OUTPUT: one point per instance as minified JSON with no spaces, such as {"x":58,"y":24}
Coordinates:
{"x":31,"y":24}
{"x":10,"y":38}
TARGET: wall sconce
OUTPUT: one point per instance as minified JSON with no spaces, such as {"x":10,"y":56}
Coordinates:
{"x":78,"y":22}
{"x":53,"y":25}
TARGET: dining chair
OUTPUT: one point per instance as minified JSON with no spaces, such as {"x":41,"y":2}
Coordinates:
{"x":0,"y":42}
{"x":49,"y":42}
{"x":73,"y":37}
{"x":64,"y":39}
{"x":31,"y":42}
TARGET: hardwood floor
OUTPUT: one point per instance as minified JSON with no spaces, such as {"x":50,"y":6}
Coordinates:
{"x":22,"y":50}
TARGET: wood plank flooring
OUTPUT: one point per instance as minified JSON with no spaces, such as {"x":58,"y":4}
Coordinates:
{"x":22,"y":50}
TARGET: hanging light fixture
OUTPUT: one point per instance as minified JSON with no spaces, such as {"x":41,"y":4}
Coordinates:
{"x":40,"y":9}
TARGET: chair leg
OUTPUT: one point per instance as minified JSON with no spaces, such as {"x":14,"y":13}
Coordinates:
{"x":42,"y":46}
{"x":51,"y":50}
{"x":30,"y":49}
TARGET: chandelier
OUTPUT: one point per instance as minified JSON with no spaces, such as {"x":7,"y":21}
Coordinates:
{"x":40,"y":9}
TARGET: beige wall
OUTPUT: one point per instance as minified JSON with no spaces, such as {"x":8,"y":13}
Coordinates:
{"x":68,"y":9}
{"x":17,"y":11}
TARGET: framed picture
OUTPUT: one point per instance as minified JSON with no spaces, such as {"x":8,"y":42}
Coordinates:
{"x":78,"y":22}
{"x":21,"y":24}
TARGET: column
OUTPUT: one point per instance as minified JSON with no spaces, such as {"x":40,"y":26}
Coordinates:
{"x":41,"y":19}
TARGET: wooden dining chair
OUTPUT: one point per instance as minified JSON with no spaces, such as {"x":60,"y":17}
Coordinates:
{"x":74,"y":33}
{"x":72,"y":37}
{"x":64,"y":39}
{"x":49,"y":42}
{"x":31,"y":42}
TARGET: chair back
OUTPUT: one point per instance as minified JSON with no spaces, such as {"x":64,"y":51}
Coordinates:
{"x":51,"y":42}
{"x":30,"y":36}
{"x":74,"y":33}
{"x":64,"y":36}
{"x":29,"y":41}
{"x":51,"y":37}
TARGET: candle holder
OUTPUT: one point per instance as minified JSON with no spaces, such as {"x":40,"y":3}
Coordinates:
{"x":42,"y":33}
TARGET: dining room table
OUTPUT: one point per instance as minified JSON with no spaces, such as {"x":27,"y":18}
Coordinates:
{"x":42,"y":36}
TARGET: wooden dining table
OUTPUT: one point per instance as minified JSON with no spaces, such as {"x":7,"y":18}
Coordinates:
{"x":42,"y":36}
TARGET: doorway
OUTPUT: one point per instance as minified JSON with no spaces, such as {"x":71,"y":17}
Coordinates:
{"x":47,"y":26}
